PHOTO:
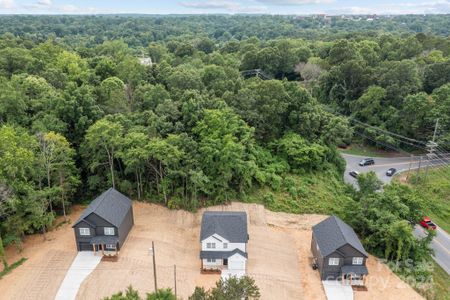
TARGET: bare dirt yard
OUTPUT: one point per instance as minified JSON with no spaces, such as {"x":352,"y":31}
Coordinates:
{"x":278,"y":252}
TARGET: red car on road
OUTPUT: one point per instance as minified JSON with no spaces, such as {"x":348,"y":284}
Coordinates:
{"x":426,"y":223}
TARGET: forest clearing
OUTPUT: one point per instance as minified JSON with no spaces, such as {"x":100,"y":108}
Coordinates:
{"x":279,"y":253}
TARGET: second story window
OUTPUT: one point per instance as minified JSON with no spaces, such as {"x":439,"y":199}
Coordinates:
{"x":211,"y":245}
{"x":109,"y":230}
{"x":333,"y":261}
{"x":85,"y":231}
{"x":357,"y":260}
{"x":225,"y":245}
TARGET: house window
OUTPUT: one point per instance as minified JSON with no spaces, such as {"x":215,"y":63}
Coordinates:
{"x":211,"y":260}
{"x":109,"y":230}
{"x":110,"y":246}
{"x":333,"y":261}
{"x":357,"y":260}
{"x":225,"y":245}
{"x":211,"y":245}
{"x":85,"y":231}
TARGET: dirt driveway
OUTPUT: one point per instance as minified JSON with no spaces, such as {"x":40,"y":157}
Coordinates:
{"x":278,"y":252}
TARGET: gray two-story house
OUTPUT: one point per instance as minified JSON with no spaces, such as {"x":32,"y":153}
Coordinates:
{"x":338,"y":252}
{"x":105,"y":223}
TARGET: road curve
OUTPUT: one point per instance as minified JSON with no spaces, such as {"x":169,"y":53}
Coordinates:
{"x":441,"y":242}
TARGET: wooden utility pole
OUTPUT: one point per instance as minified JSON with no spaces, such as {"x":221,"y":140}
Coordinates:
{"x":175,"y":279}
{"x":420,"y":163}
{"x":431,"y":145}
{"x":409,"y":169}
{"x":154,"y":266}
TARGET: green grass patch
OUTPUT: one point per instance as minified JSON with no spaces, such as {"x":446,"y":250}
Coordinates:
{"x":315,"y":192}
{"x":11,"y":267}
{"x":435,"y":190}
{"x":369,"y":151}
{"x":441,"y":283}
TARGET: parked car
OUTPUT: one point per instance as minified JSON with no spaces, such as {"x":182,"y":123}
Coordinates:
{"x":354,"y":173}
{"x":426,"y":223}
{"x":391,"y":172}
{"x":367,"y":162}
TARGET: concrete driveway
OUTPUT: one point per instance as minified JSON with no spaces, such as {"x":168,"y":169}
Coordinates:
{"x":83,"y":264}
{"x":336,"y":291}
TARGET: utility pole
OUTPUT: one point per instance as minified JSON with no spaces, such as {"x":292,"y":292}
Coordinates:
{"x":175,"y":279}
{"x":431,"y":147}
{"x":418,"y":169}
{"x":152,"y":249}
{"x":409,"y":169}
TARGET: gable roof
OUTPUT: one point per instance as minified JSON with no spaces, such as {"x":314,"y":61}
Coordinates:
{"x":229,"y":225}
{"x":222,"y":254}
{"x":332,"y":233}
{"x":112,"y":206}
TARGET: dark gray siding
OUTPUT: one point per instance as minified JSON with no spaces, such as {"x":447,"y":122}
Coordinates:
{"x":350,"y":252}
{"x":345,"y":255}
{"x":332,"y":272}
{"x":317,"y":254}
{"x":81,"y":239}
{"x":125,"y":227}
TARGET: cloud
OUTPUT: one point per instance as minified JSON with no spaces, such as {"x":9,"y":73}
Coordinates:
{"x":211,"y":4}
{"x":426,"y":7}
{"x":45,"y":2}
{"x":7,"y":4}
{"x":223,"y":5}
{"x":295,"y":2}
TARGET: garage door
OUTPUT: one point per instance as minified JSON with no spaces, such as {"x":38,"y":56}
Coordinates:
{"x":85,"y":247}
{"x":236,"y":265}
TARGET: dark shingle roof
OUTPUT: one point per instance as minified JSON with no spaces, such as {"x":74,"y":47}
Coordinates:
{"x":229,"y":225}
{"x":332,"y":233}
{"x":221,"y":254}
{"x":111,"y":206}
{"x":104,"y":239}
{"x":359,"y":270}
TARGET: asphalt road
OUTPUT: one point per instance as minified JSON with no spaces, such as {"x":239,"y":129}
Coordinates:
{"x":381,"y":165}
{"x":441,"y":242}
{"x":441,"y":246}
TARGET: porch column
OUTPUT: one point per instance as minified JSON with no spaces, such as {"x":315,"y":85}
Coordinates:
{"x":351,"y":279}
{"x":93,"y":248}
{"x":103,"y":249}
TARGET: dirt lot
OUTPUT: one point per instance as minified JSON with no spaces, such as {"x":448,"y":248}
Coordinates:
{"x":278,"y":259}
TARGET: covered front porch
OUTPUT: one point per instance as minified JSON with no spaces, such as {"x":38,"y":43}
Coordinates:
{"x":354,"y":275}
{"x":108,"y":245}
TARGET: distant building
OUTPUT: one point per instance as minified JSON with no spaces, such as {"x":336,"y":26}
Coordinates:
{"x":223,"y":239}
{"x":105,"y":223}
{"x":338,"y":252}
{"x":146,"y":61}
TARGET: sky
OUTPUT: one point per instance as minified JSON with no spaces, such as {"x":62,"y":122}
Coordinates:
{"x":299,"y":7}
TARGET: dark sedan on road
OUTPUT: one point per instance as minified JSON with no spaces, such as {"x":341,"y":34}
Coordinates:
{"x":353,"y":173}
{"x":367,"y":162}
{"x":391,"y":172}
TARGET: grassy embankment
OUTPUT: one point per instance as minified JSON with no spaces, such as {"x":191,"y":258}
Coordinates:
{"x":435,"y":190}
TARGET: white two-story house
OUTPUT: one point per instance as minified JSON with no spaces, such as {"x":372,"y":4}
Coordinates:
{"x":223,"y":239}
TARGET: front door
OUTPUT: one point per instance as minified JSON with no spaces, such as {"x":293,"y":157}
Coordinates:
{"x":225,"y":261}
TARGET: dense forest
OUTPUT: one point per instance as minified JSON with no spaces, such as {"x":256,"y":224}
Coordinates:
{"x":160,"y":108}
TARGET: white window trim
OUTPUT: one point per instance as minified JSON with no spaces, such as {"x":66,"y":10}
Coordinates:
{"x":225,"y":245}
{"x":108,"y":230}
{"x":85,"y":231}
{"x":110,"y":246}
{"x":211,"y":245}
{"x":333,"y":261}
{"x":357,"y":260}
{"x":211,"y":260}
